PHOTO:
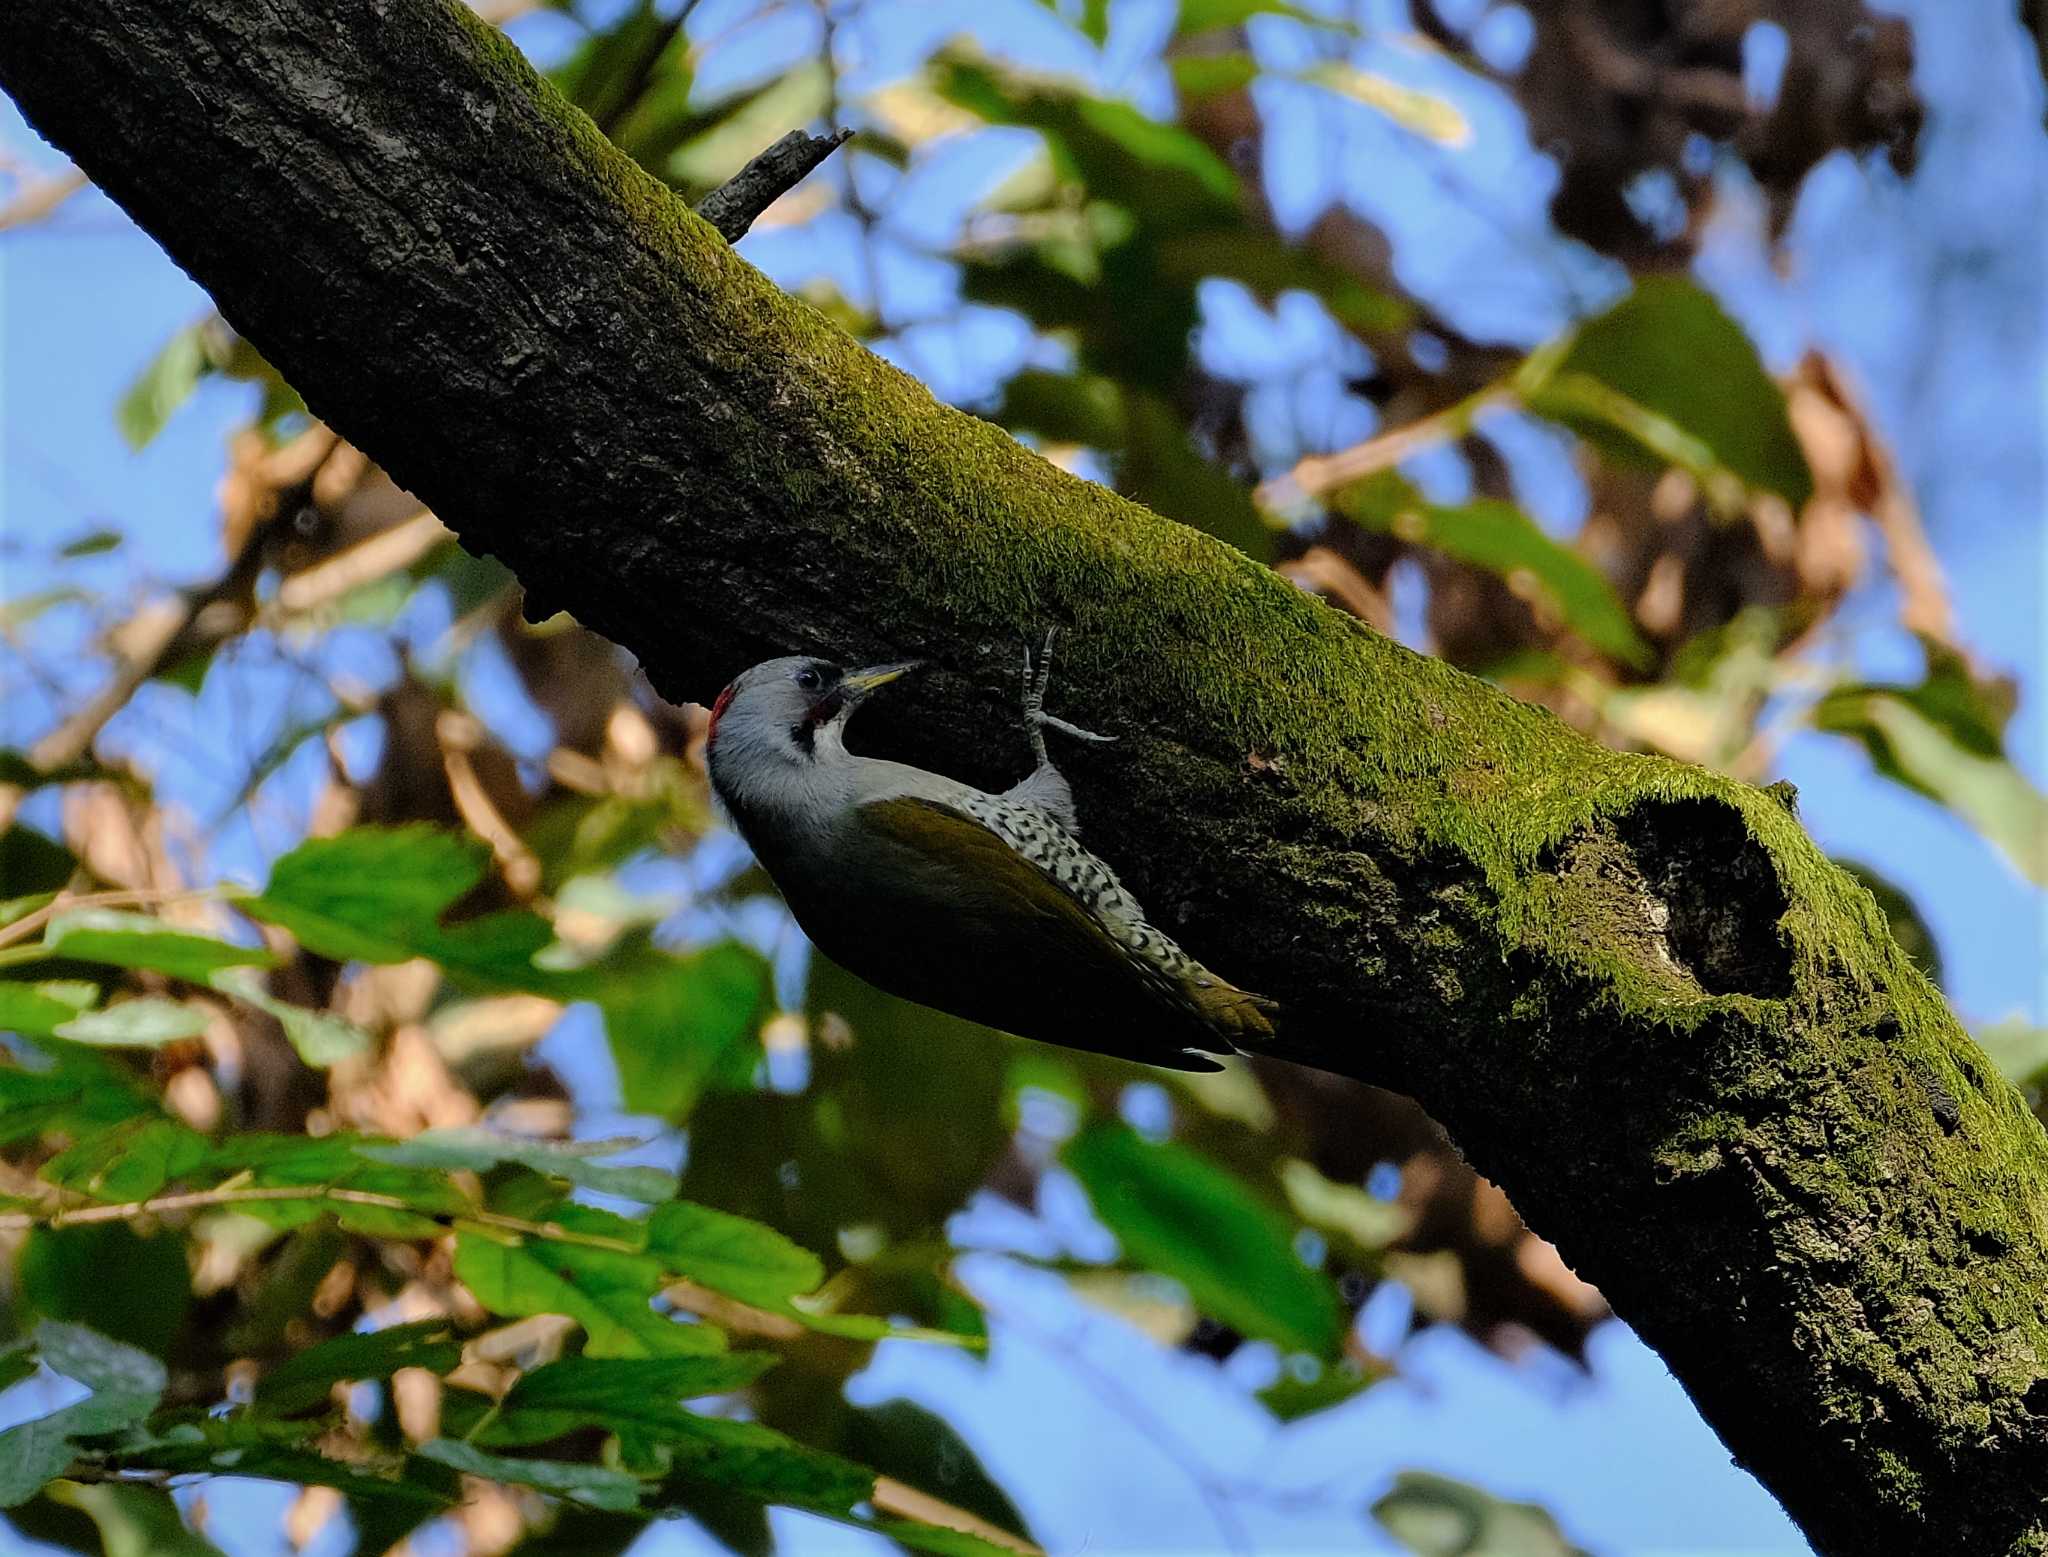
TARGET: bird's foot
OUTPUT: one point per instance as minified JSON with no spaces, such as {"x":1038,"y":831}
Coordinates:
{"x":1036,"y":719}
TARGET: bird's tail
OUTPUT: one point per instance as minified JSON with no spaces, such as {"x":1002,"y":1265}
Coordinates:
{"x":1243,"y":1021}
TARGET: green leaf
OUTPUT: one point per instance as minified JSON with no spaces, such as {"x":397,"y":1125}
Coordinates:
{"x":1268,"y":266}
{"x":376,"y":894}
{"x":125,"y":1383}
{"x":31,"y":862}
{"x":1159,"y":170}
{"x":306,"y":1380}
{"x":131,"y":1161}
{"x":590,"y":1484}
{"x":17,"y":613}
{"x":479,"y":1150}
{"x":609,"y":1293}
{"x":1944,"y":738}
{"x":1292,"y":1397}
{"x":2018,"y":1048}
{"x":1179,"y":1214}
{"x":677,"y":1025}
{"x":1209,"y":75}
{"x":125,"y":940}
{"x":1197,"y":16}
{"x":38,"y":1010}
{"x":1909,"y":927}
{"x":902,"y":1439}
{"x":92,"y":543}
{"x":1084,"y":408}
{"x":62,"y":1274}
{"x":1432,"y":117}
{"x":134,"y":1521}
{"x":1503,"y":540}
{"x":81,"y":1096}
{"x":1434,"y":1516}
{"x":371,"y":894}
{"x":321,"y":1037}
{"x":744,"y":125}
{"x":635,"y":1397}
{"x":743,"y":1259}
{"x":147,"y":1023}
{"x":164,"y":385}
{"x":748,"y":1458}
{"x":1665,"y":372}
{"x":1363,"y":1223}
{"x":939,"y":1540}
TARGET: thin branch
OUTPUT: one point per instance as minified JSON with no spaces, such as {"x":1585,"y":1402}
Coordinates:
{"x":907,"y":1502}
{"x":225,"y":1195}
{"x":36,"y":198}
{"x":1318,"y":474}
{"x":733,"y":205}
{"x":143,"y":897}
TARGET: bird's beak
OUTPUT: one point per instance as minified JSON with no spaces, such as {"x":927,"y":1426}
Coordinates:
{"x":857,"y":684}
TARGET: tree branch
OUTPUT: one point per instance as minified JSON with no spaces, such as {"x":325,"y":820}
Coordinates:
{"x":733,"y":205}
{"x":1635,"y":992}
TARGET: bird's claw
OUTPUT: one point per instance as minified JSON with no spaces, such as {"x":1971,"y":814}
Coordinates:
{"x":1036,"y":678}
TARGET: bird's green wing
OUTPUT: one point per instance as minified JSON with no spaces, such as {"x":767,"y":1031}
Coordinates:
{"x":1054,"y":941}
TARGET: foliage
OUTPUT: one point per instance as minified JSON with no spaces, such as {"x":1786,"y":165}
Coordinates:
{"x":319,"y":1124}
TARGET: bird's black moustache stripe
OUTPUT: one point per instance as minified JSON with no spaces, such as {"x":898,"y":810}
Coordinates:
{"x":823,"y":711}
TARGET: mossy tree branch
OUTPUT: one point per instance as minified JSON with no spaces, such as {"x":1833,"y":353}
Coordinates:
{"x":1635,"y":991}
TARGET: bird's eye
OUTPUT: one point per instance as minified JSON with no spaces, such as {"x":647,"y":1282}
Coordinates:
{"x":809,"y":679}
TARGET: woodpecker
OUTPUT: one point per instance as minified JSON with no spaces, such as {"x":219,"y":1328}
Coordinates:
{"x":984,"y":905}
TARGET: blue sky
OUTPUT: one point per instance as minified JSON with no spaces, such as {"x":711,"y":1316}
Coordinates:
{"x":1926,"y":288}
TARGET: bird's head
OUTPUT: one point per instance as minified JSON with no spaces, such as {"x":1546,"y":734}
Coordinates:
{"x":792,"y":710}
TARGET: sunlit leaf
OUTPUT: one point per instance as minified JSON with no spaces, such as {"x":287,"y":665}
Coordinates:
{"x":130,"y":1161}
{"x":1178,"y":1214}
{"x":1118,"y":152}
{"x":591,"y":1484}
{"x":1944,"y":738}
{"x":38,"y":1010}
{"x":126,"y":940}
{"x":2018,"y":1048}
{"x":125,"y":1386}
{"x":134,"y":1521}
{"x":1293,"y":1396}
{"x":731,"y":1254}
{"x":1434,"y":1516}
{"x":1364,"y":1223}
{"x":479,"y":1150}
{"x":1503,"y":540}
{"x":1666,"y":373}
{"x":376,"y":894}
{"x":146,"y":1023}
{"x":1206,"y":75}
{"x":1197,"y":16}
{"x":609,"y":1292}
{"x":321,"y":1037}
{"x":1427,"y":115}
{"x":17,"y":613}
{"x":164,"y":385}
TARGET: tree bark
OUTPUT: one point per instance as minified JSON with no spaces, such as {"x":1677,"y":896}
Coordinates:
{"x":1636,"y":993}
